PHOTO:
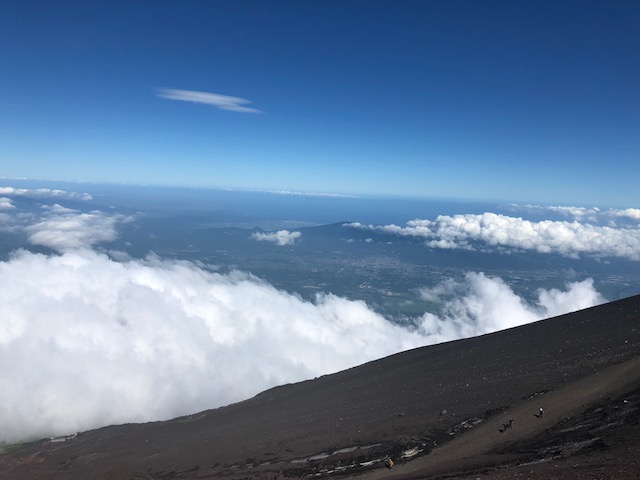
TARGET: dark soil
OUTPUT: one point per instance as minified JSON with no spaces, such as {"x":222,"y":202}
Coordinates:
{"x":436,"y":411}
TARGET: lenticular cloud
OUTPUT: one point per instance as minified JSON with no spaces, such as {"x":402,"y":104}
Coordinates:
{"x":86,"y":341}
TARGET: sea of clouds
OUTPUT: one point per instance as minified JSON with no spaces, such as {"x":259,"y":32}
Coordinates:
{"x":87,"y":340}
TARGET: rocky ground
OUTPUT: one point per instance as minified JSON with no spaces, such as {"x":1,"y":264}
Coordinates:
{"x":437,"y":412}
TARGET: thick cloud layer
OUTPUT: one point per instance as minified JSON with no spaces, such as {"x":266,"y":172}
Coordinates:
{"x":281,"y":237}
{"x":87,"y":341}
{"x":491,"y":231}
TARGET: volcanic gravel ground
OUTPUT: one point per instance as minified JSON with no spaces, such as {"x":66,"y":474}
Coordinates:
{"x":436,"y":411}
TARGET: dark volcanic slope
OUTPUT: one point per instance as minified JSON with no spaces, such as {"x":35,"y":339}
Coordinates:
{"x":384,"y":407}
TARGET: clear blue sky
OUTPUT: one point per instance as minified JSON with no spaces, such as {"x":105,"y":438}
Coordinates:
{"x":515,"y":100}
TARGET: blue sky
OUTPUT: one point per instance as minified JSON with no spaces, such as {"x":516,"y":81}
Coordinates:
{"x":523,"y":101}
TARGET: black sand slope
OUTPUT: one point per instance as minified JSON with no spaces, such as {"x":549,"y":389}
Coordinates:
{"x":438,"y":412}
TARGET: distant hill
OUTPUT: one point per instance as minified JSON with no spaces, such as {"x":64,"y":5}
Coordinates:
{"x":436,"y":411}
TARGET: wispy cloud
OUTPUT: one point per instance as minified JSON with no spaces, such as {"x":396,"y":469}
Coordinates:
{"x":44,"y":193}
{"x":310,"y":194}
{"x":593,"y":215}
{"x":281,"y":237}
{"x":223,"y":102}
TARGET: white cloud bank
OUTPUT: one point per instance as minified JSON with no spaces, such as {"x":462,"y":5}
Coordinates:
{"x":592,"y":215}
{"x":223,"y":102}
{"x":44,"y":193}
{"x":86,"y":341}
{"x":491,"y":230}
{"x":281,"y":237}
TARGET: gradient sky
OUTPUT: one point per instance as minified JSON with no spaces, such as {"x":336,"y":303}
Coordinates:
{"x":524,"y":101}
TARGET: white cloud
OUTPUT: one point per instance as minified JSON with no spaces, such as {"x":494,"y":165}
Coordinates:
{"x":581,"y":295}
{"x":59,"y":227}
{"x":310,"y":194}
{"x":593,"y":215}
{"x":6,"y":204}
{"x":633,"y":213}
{"x":578,"y":213}
{"x":223,"y":102}
{"x":57,"y":208}
{"x":44,"y":193}
{"x":92,"y":341}
{"x":281,"y":237}
{"x":70,"y":230}
{"x":493,"y":230}
{"x":480,"y":304}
